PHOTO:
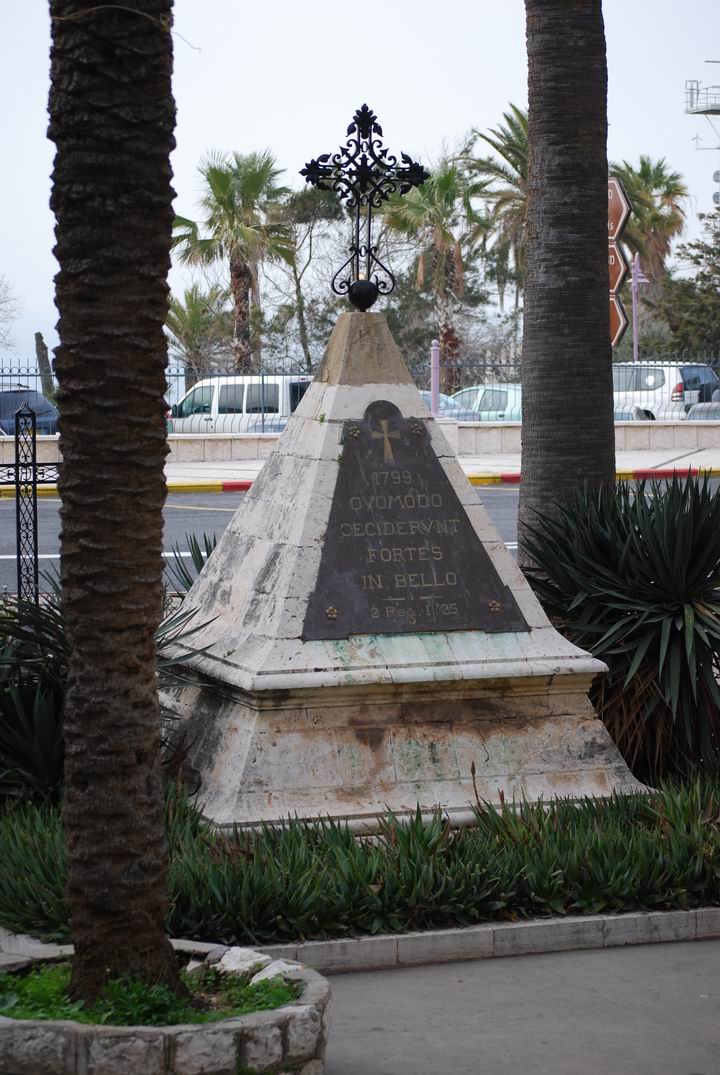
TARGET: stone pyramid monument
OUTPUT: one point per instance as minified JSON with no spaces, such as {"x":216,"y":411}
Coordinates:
{"x":368,"y":636}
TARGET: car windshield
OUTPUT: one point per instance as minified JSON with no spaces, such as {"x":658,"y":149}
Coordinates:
{"x":10,"y":401}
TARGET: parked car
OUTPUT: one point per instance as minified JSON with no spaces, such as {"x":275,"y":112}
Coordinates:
{"x":663,"y":390}
{"x":704,"y":412}
{"x":628,"y":414}
{"x":12,"y":398}
{"x":500,"y":402}
{"x":447,"y":407}
{"x":239,"y":404}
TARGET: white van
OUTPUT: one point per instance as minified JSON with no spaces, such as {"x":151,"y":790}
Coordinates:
{"x":250,"y":403}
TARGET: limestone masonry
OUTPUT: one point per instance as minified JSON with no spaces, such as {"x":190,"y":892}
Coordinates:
{"x":366,"y":634}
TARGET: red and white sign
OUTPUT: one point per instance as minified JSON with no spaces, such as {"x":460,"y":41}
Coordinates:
{"x":619,"y":208}
{"x":618,"y":320}
{"x":617,"y":267}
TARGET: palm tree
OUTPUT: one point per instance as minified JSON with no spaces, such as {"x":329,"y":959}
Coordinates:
{"x":112,"y":117}
{"x":658,"y":217}
{"x":239,"y":191}
{"x":506,"y":190}
{"x":197,"y":325}
{"x":440,"y":217}
{"x":568,"y":434}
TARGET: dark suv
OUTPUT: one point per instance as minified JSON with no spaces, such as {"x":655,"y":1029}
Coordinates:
{"x":46,"y":415}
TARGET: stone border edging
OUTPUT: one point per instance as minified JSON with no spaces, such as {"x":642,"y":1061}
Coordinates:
{"x":289,"y":1040}
{"x":492,"y":940}
{"x":496,"y":940}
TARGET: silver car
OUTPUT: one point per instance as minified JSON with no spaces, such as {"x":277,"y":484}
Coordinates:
{"x":500,"y":402}
{"x":663,"y":391}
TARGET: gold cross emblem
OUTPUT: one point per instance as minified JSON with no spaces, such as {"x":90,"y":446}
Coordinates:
{"x":385,"y":434}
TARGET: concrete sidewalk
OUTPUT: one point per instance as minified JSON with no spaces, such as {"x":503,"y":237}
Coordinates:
{"x":649,"y":1010}
{"x":481,"y":469}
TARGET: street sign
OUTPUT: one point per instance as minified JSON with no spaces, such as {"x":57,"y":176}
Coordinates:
{"x":618,"y":321}
{"x":619,"y":208}
{"x":617,"y":267}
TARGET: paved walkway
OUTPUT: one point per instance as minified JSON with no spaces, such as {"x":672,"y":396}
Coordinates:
{"x":644,"y":1010}
{"x":480,"y":468}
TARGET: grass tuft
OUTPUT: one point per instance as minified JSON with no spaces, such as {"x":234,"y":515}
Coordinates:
{"x":43,"y":994}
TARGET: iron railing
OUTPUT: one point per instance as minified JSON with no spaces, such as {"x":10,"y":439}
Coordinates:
{"x":217,"y":399}
{"x":25,"y":474}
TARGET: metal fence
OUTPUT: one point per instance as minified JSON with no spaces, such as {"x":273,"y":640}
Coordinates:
{"x":25,"y":474}
{"x":472,"y":388}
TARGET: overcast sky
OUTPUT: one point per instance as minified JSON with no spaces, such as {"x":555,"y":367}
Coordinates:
{"x":288,"y":75}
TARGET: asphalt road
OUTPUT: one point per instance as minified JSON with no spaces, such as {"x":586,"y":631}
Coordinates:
{"x":643,"y":1010}
{"x":198,"y":513}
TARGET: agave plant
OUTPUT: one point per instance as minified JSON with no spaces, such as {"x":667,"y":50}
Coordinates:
{"x":185,"y":567}
{"x":633,"y":575}
{"x":314,"y":879}
{"x":33,"y":673}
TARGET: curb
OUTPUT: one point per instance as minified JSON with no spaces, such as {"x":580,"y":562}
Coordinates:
{"x":241,"y":485}
{"x":498,"y":940}
{"x":493,"y":940}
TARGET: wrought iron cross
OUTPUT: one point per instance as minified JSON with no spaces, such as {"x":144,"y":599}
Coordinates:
{"x":364,"y":174}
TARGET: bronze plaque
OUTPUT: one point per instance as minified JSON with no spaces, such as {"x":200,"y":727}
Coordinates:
{"x":400,"y":554}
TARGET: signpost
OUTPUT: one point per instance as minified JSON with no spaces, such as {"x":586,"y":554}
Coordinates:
{"x":619,"y":209}
{"x":617,"y":267}
{"x":618,"y":321}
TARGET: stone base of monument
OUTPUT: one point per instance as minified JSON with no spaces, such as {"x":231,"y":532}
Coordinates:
{"x":365,"y":638}
{"x":357,"y":753}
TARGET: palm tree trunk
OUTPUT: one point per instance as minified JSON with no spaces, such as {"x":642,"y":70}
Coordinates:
{"x":240,"y":287}
{"x":112,"y":117}
{"x":568,"y":436}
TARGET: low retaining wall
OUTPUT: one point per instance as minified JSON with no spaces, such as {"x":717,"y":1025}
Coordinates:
{"x":290,"y":1040}
{"x":479,"y":438}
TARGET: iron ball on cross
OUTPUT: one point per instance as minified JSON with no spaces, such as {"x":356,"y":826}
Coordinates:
{"x":363,"y":294}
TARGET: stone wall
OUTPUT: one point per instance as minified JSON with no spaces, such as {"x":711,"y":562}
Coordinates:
{"x":468,"y":439}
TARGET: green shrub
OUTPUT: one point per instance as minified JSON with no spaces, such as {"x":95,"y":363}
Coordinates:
{"x":301,"y":880}
{"x":632,"y":575}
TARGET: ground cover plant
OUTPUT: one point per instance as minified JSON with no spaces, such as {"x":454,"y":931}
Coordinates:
{"x":632,"y":573}
{"x":43,"y":994}
{"x":303,"y":880}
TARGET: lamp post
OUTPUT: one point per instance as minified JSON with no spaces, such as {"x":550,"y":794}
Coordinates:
{"x":364,"y":174}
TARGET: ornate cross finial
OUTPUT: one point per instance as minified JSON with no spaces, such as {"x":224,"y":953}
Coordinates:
{"x":364,"y":174}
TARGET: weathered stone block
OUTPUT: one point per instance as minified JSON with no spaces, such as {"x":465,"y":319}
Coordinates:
{"x":205,"y":1050}
{"x":643,"y":928}
{"x":707,"y":922}
{"x":475,"y":942}
{"x":523,"y":938}
{"x":124,"y":1051}
{"x":274,"y":969}
{"x":372,"y":953}
{"x":262,"y":1046}
{"x":315,"y":1067}
{"x":304,"y":1028}
{"x":31,"y":1048}
{"x":242,"y":961}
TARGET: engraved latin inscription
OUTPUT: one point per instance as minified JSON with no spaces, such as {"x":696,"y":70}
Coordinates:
{"x":400,"y":553}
